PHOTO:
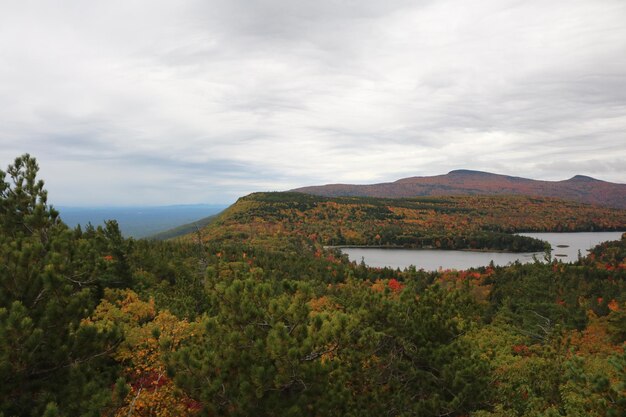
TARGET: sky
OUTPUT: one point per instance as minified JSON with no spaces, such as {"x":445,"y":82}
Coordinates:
{"x":151,"y":102}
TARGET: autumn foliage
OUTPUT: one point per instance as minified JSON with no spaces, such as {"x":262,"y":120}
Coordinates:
{"x":148,"y":337}
{"x":453,"y":222}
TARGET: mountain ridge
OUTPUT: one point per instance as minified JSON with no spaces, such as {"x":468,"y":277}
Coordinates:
{"x":579,"y":188}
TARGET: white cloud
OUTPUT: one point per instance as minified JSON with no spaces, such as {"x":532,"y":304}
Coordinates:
{"x":202,"y":101}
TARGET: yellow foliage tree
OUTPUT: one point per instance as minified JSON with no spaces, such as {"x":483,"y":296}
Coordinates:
{"x":148,"y":336}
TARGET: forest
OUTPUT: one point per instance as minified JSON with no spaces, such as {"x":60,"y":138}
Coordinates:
{"x":453,"y":222}
{"x":254,"y":316}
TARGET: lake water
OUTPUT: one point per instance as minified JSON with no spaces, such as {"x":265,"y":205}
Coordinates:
{"x":431,"y":260}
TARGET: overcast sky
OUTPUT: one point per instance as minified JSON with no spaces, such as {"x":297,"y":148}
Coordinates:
{"x":183,"y":101}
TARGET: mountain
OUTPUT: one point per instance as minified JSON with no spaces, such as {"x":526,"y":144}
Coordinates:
{"x":579,"y":188}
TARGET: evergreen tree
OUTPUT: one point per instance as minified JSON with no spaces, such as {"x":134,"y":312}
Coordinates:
{"x":49,"y":363}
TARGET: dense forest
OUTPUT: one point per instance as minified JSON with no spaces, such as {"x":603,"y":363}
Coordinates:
{"x":453,"y":222}
{"x":253,"y":317}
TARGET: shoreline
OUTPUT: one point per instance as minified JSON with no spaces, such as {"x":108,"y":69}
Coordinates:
{"x":422,"y":248}
{"x":553,"y":249}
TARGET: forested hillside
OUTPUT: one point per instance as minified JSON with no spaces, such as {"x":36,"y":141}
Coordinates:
{"x":92,"y":324}
{"x":579,"y":188}
{"x":453,"y":222}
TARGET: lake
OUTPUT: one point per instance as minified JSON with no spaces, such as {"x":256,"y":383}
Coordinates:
{"x":565,"y":246}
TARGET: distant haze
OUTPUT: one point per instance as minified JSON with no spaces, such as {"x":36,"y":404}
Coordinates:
{"x":202,"y":101}
{"x":138,"y":221}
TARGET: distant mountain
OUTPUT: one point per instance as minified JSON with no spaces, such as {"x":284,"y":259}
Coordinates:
{"x":579,"y":188}
{"x":141,"y":221}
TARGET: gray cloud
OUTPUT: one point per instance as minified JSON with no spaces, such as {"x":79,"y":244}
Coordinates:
{"x":203,"y":101}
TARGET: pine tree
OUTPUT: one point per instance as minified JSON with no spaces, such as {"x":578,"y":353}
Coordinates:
{"x":49,"y":363}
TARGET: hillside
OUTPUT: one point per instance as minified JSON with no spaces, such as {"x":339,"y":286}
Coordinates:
{"x":453,"y":222}
{"x":465,"y":182}
{"x":183,"y":229}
